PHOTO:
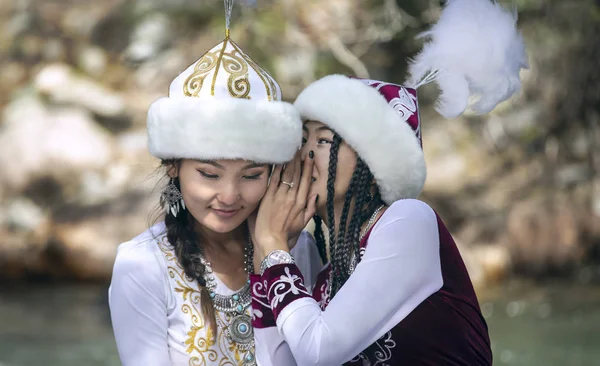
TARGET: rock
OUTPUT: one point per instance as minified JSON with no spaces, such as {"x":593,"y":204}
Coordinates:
{"x":93,"y":60}
{"x":544,"y":236}
{"x":24,"y":231}
{"x":494,"y":260}
{"x":149,"y":38}
{"x":39,"y":142}
{"x":64,"y":86}
{"x":86,"y":239}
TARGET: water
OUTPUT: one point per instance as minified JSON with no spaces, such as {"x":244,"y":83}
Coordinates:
{"x":69,"y":325}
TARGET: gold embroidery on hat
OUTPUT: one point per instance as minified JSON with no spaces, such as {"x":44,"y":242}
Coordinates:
{"x":193,"y":84}
{"x":238,"y":82}
{"x":269,"y":85}
{"x":219,"y":59}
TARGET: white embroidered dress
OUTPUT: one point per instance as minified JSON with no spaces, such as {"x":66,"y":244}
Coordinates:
{"x":155,"y":309}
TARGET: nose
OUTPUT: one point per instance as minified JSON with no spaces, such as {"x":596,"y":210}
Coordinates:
{"x":229,"y":194}
{"x":308,"y":146}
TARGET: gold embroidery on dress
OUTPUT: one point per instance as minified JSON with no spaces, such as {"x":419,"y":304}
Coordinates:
{"x":202,"y":347}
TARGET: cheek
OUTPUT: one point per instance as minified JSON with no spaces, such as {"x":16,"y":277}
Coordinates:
{"x":253,"y":192}
{"x":345,"y":168}
{"x":196,"y":193}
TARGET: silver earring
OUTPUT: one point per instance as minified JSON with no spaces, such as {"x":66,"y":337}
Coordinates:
{"x":171,"y":199}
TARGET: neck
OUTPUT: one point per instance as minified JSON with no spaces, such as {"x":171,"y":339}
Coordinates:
{"x":337,"y":213}
{"x":222,"y":242}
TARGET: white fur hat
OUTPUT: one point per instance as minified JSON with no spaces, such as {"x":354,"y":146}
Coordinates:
{"x":380,"y":121}
{"x":474,"y":52}
{"x":224,"y":106}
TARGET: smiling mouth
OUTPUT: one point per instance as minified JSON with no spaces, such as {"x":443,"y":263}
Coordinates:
{"x":225,"y":213}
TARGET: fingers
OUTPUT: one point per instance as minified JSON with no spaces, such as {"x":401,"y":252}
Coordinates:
{"x":275,"y":179}
{"x":287,"y":182}
{"x":305,"y":181}
{"x":311,"y":208}
{"x":297,"y":171}
{"x":288,"y":173}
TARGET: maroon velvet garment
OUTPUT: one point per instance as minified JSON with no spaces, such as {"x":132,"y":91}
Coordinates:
{"x":445,"y":329}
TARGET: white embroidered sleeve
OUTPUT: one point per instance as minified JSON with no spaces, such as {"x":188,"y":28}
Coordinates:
{"x":399,"y":270}
{"x":137,"y":299}
{"x":271,"y":348}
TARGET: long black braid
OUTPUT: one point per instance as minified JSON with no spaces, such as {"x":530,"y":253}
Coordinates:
{"x":331,"y":173}
{"x":341,"y":237}
{"x":320,"y":238}
{"x":185,"y":242}
{"x":347,"y":243}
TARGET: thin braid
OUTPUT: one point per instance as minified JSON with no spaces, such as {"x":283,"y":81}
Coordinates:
{"x":320,"y":239}
{"x":360,"y":186}
{"x":333,"y":157}
{"x":361,"y":213}
{"x":340,"y":241}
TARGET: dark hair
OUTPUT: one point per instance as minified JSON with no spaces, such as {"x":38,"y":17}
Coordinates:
{"x":187,"y":246}
{"x":366,"y":200}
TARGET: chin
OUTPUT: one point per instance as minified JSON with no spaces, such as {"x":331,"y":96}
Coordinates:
{"x":222,"y":226}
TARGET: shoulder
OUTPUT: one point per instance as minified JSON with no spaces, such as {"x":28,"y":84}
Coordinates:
{"x":140,"y":256}
{"x":407,"y":215}
{"x":409,"y":209}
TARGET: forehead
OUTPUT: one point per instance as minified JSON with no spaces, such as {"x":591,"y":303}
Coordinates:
{"x":311,"y":125}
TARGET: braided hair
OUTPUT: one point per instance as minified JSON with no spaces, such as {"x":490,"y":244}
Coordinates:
{"x":187,"y":247}
{"x":345,"y":248}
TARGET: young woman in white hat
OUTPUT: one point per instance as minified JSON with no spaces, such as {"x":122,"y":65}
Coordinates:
{"x":180,"y":292}
{"x":395,"y":290}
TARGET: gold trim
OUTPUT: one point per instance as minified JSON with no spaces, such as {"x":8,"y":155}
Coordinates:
{"x":259,"y":71}
{"x":219,"y":59}
{"x":193,"y":84}
{"x":238,"y":82}
{"x":200,"y":344}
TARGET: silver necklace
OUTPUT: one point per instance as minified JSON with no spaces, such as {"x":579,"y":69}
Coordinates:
{"x":353,"y":259}
{"x":239,"y":331}
{"x":371,"y":221}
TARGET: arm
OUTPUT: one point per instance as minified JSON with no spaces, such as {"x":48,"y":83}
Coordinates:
{"x":271,"y":348}
{"x":137,"y":299}
{"x":400,"y":269}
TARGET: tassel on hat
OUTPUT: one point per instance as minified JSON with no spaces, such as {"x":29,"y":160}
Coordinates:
{"x":474,"y":51}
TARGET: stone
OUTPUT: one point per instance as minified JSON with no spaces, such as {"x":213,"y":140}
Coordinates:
{"x":63,"y":86}
{"x":40,"y":142}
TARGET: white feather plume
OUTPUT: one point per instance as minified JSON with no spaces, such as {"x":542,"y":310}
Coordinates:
{"x":473,"y":51}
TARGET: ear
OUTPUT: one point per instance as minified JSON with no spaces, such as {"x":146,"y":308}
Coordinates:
{"x":173,"y":169}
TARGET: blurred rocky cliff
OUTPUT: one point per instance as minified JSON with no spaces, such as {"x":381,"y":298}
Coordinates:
{"x":519,"y":188}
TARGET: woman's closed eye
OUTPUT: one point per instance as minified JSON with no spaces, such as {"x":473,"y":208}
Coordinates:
{"x":253,"y":177}
{"x":207,"y":175}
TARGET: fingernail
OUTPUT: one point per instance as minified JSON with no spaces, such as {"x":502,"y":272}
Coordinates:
{"x":311,"y":154}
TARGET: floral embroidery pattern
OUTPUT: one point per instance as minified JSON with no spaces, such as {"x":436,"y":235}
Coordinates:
{"x":286,"y":284}
{"x":202,"y":346}
{"x":381,"y":351}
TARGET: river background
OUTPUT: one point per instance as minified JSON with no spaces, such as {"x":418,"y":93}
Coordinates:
{"x":519,"y":188}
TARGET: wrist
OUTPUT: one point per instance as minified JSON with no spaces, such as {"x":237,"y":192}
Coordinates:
{"x":273,"y":243}
{"x":274,"y":258}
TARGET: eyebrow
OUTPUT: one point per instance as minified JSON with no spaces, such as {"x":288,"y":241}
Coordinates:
{"x":254,"y":165}
{"x":322,"y":128}
{"x":213,"y":163}
{"x":217,"y":165}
